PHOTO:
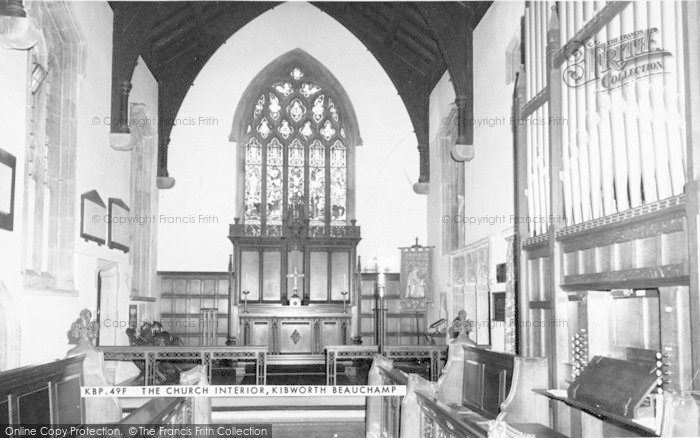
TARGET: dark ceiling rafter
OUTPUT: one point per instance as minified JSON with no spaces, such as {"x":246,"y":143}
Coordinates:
{"x":414,"y":43}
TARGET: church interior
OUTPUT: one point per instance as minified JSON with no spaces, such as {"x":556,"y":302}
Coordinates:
{"x":490,"y":204}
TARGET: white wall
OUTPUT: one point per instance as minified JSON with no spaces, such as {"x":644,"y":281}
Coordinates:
{"x":45,"y":316}
{"x":203,"y":161}
{"x":489,"y":176}
{"x":441,"y":103}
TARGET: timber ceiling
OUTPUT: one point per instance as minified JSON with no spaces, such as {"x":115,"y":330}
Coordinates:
{"x":412,"y":41}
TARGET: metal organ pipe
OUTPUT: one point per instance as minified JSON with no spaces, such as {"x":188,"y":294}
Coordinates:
{"x":658,"y":114}
{"x":591,"y":127}
{"x":581,"y":134}
{"x":564,"y":125}
{"x":651,"y":193}
{"x":544,"y":125}
{"x":679,"y":57}
{"x":606,"y":163}
{"x":669,"y":38}
{"x":631,"y":122}
{"x":571,"y":125}
{"x":535,"y":117}
{"x":617,"y":131}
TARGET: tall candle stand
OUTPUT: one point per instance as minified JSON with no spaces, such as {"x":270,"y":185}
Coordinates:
{"x":380,"y":322}
{"x":345,"y":300}
{"x":245,"y":300}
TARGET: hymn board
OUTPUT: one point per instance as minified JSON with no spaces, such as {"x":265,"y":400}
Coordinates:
{"x":295,"y":242}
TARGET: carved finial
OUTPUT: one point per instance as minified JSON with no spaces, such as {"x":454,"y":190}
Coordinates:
{"x":83,"y":329}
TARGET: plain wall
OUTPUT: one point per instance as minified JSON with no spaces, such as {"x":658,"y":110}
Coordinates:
{"x":489,"y":176}
{"x":44,"y":317}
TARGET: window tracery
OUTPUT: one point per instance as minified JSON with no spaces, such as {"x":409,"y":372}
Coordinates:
{"x":295,"y":156}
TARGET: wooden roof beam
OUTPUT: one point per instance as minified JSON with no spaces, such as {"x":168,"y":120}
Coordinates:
{"x":453,"y":25}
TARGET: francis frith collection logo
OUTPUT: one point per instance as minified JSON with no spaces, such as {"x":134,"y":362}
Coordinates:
{"x":616,"y":62}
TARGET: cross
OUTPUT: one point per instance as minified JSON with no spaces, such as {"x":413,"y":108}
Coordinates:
{"x":296,"y":275}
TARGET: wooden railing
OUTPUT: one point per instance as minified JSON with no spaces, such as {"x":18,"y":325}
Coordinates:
{"x":202,"y":355}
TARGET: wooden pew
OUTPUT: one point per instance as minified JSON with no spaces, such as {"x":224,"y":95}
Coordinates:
{"x":499,"y":386}
{"x":481,"y":393}
{"x":49,"y":394}
{"x":43,"y":394}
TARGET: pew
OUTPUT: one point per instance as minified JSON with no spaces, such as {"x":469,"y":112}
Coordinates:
{"x":43,"y":394}
{"x":481,"y":393}
{"x":49,"y":394}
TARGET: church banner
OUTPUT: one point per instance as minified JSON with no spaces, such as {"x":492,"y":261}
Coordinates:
{"x":416,"y":281}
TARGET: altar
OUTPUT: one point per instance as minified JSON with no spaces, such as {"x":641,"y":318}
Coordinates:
{"x":295,"y":330}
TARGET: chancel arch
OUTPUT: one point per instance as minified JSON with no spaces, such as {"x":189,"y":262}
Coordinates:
{"x":295,"y":234}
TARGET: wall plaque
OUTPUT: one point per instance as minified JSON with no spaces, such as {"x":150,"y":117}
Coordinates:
{"x":119,"y":225}
{"x":93,"y":214}
{"x":7,"y":190}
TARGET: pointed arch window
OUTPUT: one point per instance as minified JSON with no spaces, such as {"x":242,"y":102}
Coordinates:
{"x":297,"y":132}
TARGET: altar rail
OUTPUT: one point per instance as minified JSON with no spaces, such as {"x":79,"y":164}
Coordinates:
{"x":202,"y":355}
{"x":436,"y":354}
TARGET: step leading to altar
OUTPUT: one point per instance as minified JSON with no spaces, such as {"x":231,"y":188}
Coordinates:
{"x":289,"y":410}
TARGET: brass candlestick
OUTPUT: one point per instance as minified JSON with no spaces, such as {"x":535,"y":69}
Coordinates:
{"x":245,"y":300}
{"x":345,"y":300}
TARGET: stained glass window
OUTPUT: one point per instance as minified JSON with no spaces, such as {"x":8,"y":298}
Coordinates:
{"x":275,"y":172}
{"x":296,"y":158}
{"x":338,"y":183}
{"x":295,"y":186}
{"x":253,"y":180}
{"x":317,"y":183}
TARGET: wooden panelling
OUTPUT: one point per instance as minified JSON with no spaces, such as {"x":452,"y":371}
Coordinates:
{"x":631,"y":250}
{"x":43,"y":394}
{"x":403,"y":327}
{"x":184,"y":294}
{"x":4,"y":412}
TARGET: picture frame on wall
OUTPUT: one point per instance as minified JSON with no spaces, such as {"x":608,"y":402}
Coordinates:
{"x":8,"y":163}
{"x":93,"y":214}
{"x":118,"y":228}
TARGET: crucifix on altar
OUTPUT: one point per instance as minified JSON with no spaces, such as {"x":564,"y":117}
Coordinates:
{"x":295,"y":299}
